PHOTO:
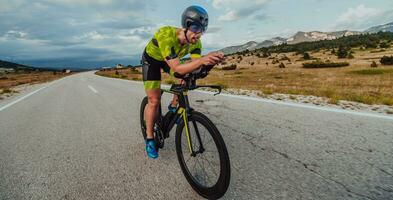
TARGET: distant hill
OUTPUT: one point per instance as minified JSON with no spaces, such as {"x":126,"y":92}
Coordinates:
{"x":384,"y":28}
{"x":15,"y":66}
{"x":20,"y":67}
{"x":317,"y":36}
{"x":248,"y":46}
{"x":371,"y":40}
{"x":300,"y":37}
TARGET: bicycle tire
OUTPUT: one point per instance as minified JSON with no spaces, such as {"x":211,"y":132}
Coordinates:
{"x":159,"y":142}
{"x":220,"y":187}
{"x":142,"y":116}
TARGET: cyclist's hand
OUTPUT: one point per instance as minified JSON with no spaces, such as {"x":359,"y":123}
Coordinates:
{"x":209,"y":60}
{"x":212,"y":58}
{"x":218,"y":54}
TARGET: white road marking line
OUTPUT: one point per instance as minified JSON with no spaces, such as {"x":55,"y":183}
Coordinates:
{"x":20,"y":99}
{"x":299,"y":105}
{"x":92,"y":89}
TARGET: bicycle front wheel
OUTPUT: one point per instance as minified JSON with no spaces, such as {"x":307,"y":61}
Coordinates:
{"x":208,"y":170}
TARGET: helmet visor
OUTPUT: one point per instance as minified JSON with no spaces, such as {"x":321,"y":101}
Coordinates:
{"x":197,"y":28}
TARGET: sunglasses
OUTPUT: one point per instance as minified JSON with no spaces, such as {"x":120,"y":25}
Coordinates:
{"x":196,"y":28}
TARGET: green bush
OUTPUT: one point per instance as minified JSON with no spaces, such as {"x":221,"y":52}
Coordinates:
{"x":320,"y":64}
{"x":384,"y":45}
{"x":387,"y":60}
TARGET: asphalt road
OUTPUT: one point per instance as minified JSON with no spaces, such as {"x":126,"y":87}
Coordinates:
{"x":79,"y":138}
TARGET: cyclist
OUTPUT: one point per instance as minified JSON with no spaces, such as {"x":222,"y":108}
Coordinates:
{"x":164,"y":51}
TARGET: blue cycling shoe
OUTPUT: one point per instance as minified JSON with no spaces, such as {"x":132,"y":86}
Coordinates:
{"x":151,"y":148}
{"x":172,"y":108}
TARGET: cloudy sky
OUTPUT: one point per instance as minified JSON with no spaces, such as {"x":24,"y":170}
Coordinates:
{"x":88,"y":33}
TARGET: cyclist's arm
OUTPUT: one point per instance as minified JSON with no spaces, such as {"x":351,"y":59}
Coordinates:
{"x":177,"y":67}
{"x":185,"y":68}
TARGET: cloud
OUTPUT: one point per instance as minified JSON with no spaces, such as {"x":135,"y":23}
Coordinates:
{"x":211,"y":30}
{"x":229,"y":16}
{"x":237,"y":10}
{"x":362,"y":17}
{"x":262,"y":17}
{"x":359,"y":13}
{"x":46,"y":29}
{"x":15,"y":34}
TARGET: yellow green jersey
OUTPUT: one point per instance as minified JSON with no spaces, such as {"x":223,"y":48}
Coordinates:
{"x":165,"y":45}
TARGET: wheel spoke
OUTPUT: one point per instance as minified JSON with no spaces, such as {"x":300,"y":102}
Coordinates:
{"x":214,"y":171}
{"x":188,"y":159}
{"x":211,"y":139}
{"x":207,"y":175}
{"x":202,"y":169}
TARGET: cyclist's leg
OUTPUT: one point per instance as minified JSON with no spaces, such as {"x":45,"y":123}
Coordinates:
{"x":152,"y":82}
{"x":154,"y":98}
{"x":175,"y":99}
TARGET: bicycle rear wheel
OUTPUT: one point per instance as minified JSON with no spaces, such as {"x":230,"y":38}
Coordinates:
{"x":208,"y":172}
{"x":142,"y":117}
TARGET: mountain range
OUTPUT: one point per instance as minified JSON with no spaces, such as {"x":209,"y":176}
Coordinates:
{"x":305,"y":37}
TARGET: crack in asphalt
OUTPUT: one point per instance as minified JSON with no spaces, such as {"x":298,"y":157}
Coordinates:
{"x":251,"y":138}
{"x":286,"y":156}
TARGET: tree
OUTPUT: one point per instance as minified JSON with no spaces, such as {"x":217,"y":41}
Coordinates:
{"x":384,"y":45}
{"x":386,"y":60}
{"x":371,"y":44}
{"x":306,"y":56}
{"x":342,"y":52}
{"x":266,"y":54}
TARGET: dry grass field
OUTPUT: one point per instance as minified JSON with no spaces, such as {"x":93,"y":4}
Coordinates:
{"x":357,"y":82}
{"x":7,"y":81}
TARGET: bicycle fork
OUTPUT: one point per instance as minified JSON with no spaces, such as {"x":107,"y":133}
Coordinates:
{"x":184,"y":115}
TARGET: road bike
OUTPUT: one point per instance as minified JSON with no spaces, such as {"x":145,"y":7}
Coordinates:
{"x":200,"y":148}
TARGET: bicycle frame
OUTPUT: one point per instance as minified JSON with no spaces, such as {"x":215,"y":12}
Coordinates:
{"x":183,"y":112}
